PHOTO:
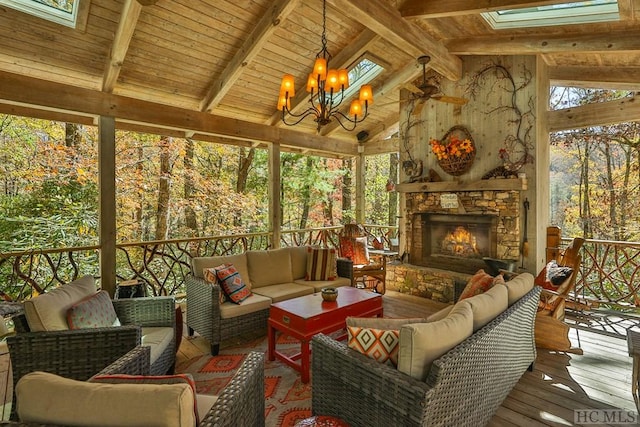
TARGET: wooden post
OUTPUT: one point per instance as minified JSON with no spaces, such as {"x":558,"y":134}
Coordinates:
{"x":275,"y":207}
{"x":107,"y":194}
{"x":540,"y":208}
{"x":360,"y":177}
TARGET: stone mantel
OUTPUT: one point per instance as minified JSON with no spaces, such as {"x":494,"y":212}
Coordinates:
{"x":480,"y":185}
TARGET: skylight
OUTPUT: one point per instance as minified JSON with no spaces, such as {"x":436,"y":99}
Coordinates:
{"x":63,"y":12}
{"x":363,"y":72}
{"x":558,"y":14}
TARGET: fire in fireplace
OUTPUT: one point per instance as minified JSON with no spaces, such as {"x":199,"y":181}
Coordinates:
{"x":453,"y":242}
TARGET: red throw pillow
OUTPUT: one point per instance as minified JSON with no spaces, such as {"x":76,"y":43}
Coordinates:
{"x":478,"y":284}
{"x":211,"y":276}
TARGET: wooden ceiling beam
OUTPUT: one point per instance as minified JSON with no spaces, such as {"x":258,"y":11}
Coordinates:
{"x":267,"y":25}
{"x":619,"y":78}
{"x":531,"y":44}
{"x":64,"y":98}
{"x":127,"y":25}
{"x":342,"y":60}
{"x":382,"y":18}
{"x":598,"y":114}
{"x":420,"y":9}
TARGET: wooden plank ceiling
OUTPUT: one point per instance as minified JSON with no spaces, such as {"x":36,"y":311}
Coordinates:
{"x":217,"y":64}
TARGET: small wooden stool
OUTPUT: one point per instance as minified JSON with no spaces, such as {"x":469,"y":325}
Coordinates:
{"x":633,"y":341}
{"x":321,"y":421}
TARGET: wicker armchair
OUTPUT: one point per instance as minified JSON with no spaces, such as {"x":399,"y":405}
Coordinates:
{"x":240,"y":403}
{"x":80,"y":353}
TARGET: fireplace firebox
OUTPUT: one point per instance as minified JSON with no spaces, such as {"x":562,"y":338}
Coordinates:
{"x":453,"y":242}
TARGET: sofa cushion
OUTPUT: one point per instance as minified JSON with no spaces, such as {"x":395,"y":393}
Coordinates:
{"x":378,"y":344}
{"x":269,"y":267}
{"x":50,"y":399}
{"x":321,"y":264}
{"x":284,"y":291}
{"x":422,"y":343}
{"x":441,"y":314}
{"x":519,"y":286}
{"x":377,"y":337}
{"x":48,"y":312}
{"x":157,"y":338}
{"x":489,"y":305}
{"x":298,"y":256}
{"x":477,"y":284}
{"x":211,"y":276}
{"x":254,"y":303}
{"x":231,"y":283}
{"x":94,"y":311}
{"x":317,"y":285}
{"x":239,"y":262}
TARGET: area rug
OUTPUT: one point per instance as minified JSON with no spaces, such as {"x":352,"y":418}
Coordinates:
{"x":287,"y":399}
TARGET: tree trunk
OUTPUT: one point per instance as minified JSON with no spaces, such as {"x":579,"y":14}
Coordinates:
{"x":585,"y":206}
{"x":306,"y":194}
{"x":613,"y":220}
{"x":244,"y":164}
{"x":71,"y":134}
{"x":347,"y":212}
{"x":142,"y":229}
{"x":164,"y":188}
{"x":190,"y":218}
{"x":393,"y":195}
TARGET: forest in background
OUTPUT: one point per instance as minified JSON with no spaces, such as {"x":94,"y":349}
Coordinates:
{"x":595,"y":173}
{"x":167,"y":188}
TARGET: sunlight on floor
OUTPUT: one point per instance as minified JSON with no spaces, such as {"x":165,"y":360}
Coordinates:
{"x":554,"y":418}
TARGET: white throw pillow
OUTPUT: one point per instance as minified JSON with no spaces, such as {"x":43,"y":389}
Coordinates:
{"x":422,"y":343}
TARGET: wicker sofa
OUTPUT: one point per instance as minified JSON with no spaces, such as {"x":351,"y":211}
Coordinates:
{"x":240,"y":403}
{"x":463,"y":387}
{"x":80,"y":353}
{"x":274,"y":275}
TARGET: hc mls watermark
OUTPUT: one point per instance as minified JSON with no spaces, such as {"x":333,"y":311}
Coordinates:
{"x":606,"y":416}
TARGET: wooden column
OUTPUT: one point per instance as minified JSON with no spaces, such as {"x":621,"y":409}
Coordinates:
{"x":275,"y":207}
{"x":360,"y":177}
{"x":107,"y":194}
{"x":540,"y":209}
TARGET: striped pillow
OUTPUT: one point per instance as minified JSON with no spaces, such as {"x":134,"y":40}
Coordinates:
{"x":321,"y":264}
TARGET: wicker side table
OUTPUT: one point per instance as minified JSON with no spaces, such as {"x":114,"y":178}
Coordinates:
{"x":633,"y":341}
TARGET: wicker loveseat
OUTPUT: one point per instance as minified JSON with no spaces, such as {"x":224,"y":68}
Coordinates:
{"x":240,"y":403}
{"x":274,"y":275}
{"x":463,"y":387}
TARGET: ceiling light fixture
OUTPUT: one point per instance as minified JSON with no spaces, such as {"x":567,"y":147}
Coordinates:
{"x":326,"y":87}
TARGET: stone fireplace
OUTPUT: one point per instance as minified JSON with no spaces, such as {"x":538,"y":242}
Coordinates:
{"x":445,"y":242}
{"x":452,"y":241}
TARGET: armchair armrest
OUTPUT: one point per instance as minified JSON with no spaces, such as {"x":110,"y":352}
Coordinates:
{"x":135,"y":362}
{"x":146,"y":311}
{"x":203,"y":313}
{"x":241,"y":399}
{"x":362,"y":391}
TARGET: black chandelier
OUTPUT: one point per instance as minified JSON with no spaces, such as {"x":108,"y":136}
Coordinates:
{"x":326,"y":87}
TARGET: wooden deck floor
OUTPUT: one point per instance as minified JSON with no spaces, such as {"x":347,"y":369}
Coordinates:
{"x":559,"y":384}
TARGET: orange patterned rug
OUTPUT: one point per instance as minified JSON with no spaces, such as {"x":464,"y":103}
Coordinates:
{"x":287,"y":399}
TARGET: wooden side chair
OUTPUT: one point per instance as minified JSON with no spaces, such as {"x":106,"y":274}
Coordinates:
{"x":369,"y":271}
{"x":551,"y":331}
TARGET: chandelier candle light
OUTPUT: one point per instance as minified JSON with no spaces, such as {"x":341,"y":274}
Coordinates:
{"x":326,"y":87}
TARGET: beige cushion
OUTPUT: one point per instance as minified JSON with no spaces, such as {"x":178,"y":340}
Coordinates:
{"x":47,"y":398}
{"x":381,"y":322}
{"x":284,"y":291}
{"x":317,"y":285}
{"x":48,"y":312}
{"x":158,"y":338}
{"x":298,"y":261}
{"x":488,"y":306}
{"x":270,"y":267}
{"x":422,"y":343}
{"x":205,"y":403}
{"x":239,"y":262}
{"x":252,"y":304}
{"x":441,"y":314}
{"x":519,"y":286}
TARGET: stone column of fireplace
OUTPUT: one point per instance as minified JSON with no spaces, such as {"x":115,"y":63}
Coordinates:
{"x":437,"y":284}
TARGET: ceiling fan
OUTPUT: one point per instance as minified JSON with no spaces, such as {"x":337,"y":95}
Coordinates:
{"x":428,"y":90}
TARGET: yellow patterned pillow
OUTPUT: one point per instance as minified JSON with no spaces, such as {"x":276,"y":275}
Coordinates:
{"x":378,"y":344}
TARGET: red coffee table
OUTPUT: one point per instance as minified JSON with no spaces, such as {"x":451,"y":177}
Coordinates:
{"x":306,"y":316}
